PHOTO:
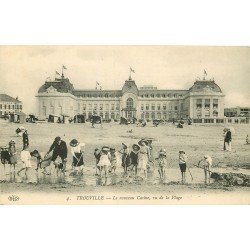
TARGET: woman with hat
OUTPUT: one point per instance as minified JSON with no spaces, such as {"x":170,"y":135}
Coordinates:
{"x":77,"y":150}
{"x":104,"y":162}
{"x":134,"y":157}
{"x":125,"y":156}
{"x":162,"y":163}
{"x":143,"y":157}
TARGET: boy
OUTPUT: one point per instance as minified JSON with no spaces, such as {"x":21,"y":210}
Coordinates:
{"x":183,"y":165}
{"x":162,"y":163}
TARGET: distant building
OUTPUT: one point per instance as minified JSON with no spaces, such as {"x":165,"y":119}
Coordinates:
{"x":203,"y":102}
{"x":9,"y":105}
{"x":237,"y":112}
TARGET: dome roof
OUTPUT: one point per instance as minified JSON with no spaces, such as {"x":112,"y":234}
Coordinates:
{"x":62,"y":85}
{"x":130,"y":86}
{"x":205,"y":86}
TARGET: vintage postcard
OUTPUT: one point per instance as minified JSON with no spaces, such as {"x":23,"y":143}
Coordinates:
{"x":124,"y":125}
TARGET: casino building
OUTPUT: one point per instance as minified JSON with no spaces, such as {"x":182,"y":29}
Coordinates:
{"x":203,"y":102}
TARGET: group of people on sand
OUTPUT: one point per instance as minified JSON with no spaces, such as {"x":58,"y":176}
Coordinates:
{"x":139,"y":160}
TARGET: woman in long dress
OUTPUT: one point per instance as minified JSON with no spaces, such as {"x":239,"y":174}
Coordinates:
{"x":143,"y":157}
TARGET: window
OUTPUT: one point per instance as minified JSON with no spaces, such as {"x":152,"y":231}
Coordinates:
{"x":181,"y":106}
{"x":152,"y":95}
{"x":164,"y":106}
{"x":158,"y":106}
{"x":84,"y":106}
{"x":147,"y":106}
{"x":90,"y":106}
{"x":175,"y":107}
{"x":117,"y":106}
{"x":153,"y":106}
{"x":9,"y":106}
{"x":142,"y":107}
{"x":130,"y":103}
{"x":95,"y":106}
{"x":207,"y":103}
{"x":106,"y":106}
{"x":20,"y":106}
{"x":1,"y":106}
{"x":215,"y":103}
{"x":112,"y":106}
{"x":106,"y":95}
{"x":146,"y":95}
{"x":158,"y":95}
{"x":101,"y":106}
{"x":163,"y":95}
{"x":198,"y":103}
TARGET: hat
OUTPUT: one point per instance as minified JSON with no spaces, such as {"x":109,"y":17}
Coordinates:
{"x":182,"y":151}
{"x":112,"y":149}
{"x":136,"y":146}
{"x":73,"y":143}
{"x":105,"y":148}
{"x":35,"y":152}
{"x":125,"y":144}
{"x":12,"y":142}
{"x":58,"y":138}
{"x":163,"y":152}
{"x":143,"y":140}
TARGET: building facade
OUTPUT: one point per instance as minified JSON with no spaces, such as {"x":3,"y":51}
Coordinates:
{"x":202,"y":102}
{"x":9,"y":105}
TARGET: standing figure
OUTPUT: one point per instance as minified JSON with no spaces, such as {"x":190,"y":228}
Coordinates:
{"x":125,"y":156}
{"x":143,"y":157}
{"x":60,"y":149}
{"x":104,"y":162}
{"x":183,"y":165}
{"x":162,"y":163}
{"x":77,"y":151}
{"x":134,"y":157}
{"x":207,"y":163}
{"x":25,"y":158}
{"x":25,"y":139}
{"x":228,"y":140}
{"x":13,"y":154}
{"x":113,"y":160}
{"x":97,"y":154}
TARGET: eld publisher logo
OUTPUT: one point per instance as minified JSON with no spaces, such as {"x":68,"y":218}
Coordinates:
{"x":13,"y":198}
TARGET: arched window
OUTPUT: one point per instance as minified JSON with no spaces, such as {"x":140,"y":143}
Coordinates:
{"x":130,"y":103}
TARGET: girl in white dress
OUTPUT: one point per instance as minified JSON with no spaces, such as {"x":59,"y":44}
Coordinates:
{"x":25,"y":157}
{"x":104,"y":162}
{"x":143,"y":157}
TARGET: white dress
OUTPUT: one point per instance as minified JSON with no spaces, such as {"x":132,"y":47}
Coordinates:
{"x":143,"y":158}
{"x":104,"y":160}
{"x":25,"y":157}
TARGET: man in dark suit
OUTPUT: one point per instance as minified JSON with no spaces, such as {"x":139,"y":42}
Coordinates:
{"x":60,"y":149}
{"x":228,"y":140}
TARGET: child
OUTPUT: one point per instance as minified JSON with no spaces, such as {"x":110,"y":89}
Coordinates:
{"x":183,"y":165}
{"x":125,"y":156}
{"x":207,"y":163}
{"x":12,"y":153}
{"x":113,"y":160}
{"x":97,"y":154}
{"x":25,"y":157}
{"x":134,"y":157}
{"x":104,"y":162}
{"x":143,"y":157}
{"x":162,"y":163}
{"x":77,"y":151}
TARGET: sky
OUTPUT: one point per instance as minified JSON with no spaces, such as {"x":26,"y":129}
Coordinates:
{"x":23,"y":69}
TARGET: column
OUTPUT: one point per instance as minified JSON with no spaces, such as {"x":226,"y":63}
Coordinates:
{"x":203,"y":110}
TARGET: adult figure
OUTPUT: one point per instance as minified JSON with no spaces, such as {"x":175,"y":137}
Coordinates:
{"x":228,"y":140}
{"x":25,"y":139}
{"x":60,"y":149}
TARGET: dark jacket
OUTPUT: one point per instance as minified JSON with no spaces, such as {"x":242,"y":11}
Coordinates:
{"x":61,"y":149}
{"x":25,"y":138}
{"x":228,"y":136}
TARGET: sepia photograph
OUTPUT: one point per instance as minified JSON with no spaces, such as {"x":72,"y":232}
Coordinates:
{"x":124,"y":125}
